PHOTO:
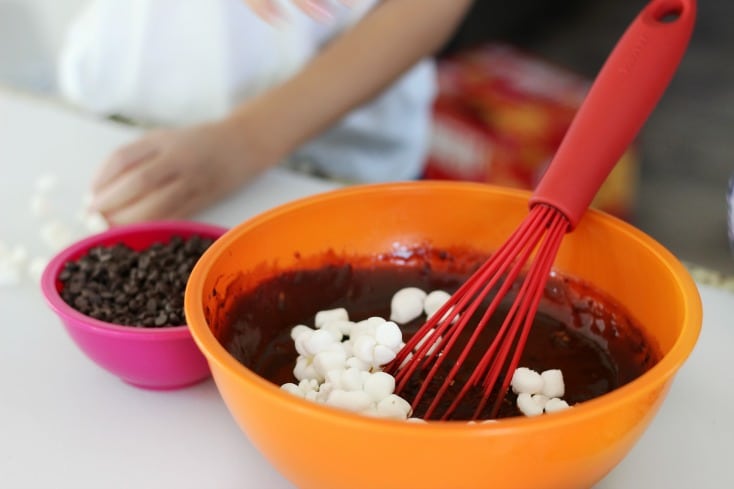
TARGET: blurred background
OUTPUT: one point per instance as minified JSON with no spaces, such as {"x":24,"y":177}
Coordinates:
{"x":674,"y":184}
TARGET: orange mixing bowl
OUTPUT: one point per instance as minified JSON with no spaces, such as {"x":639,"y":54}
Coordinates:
{"x":318,"y":447}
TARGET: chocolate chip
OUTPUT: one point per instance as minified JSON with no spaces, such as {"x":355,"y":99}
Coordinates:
{"x":135,"y":288}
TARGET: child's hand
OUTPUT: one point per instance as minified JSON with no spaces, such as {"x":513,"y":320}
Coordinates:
{"x":174,"y":173}
{"x":319,"y":10}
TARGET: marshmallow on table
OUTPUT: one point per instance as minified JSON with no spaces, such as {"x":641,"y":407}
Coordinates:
{"x":94,"y":222}
{"x":40,"y":205}
{"x":36,"y":267}
{"x":12,"y":263}
{"x":45,"y":183}
{"x":54,"y":233}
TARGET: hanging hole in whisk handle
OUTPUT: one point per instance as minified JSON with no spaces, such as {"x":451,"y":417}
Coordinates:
{"x":668,"y":16}
{"x":668,"y":12}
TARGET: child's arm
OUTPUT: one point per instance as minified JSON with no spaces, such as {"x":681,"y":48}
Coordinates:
{"x":350,"y":71}
{"x":176,"y":173}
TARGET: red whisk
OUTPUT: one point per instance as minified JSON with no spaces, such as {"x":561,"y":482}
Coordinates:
{"x":621,"y":98}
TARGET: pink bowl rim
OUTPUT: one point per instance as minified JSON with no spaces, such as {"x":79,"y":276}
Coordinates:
{"x":66,"y":312}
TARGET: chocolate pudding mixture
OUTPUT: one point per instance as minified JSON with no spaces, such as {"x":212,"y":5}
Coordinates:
{"x":578,"y":330}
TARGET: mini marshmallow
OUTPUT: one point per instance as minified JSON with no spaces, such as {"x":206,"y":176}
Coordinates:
{"x":351,"y":400}
{"x":40,"y":205}
{"x":363,"y":348}
{"x":312,"y":396}
{"x":407,"y":304}
{"x":379,"y":385}
{"x":416,"y":420}
{"x":304,"y":369}
{"x":553,"y":385}
{"x":297,"y":331}
{"x":382,"y":355}
{"x":328,"y":360}
{"x":318,"y":341}
{"x":323,"y":317}
{"x":302,"y":388}
{"x":394,"y":407}
{"x":352,"y":379}
{"x":369,"y":350}
{"x":292,"y":388}
{"x":12,"y":263}
{"x":344,"y":326}
{"x":334,"y":330}
{"x":10,"y":273}
{"x":354,"y":362}
{"x":94,"y":222}
{"x":366,"y":327}
{"x":527,"y":405}
{"x":434,"y":301}
{"x":540,"y":400}
{"x":324,"y":390}
{"x":36,"y":267}
{"x":555,"y":404}
{"x":46,"y":182}
{"x":299,"y":341}
{"x":308,"y":385}
{"x":527,"y":381}
{"x":18,"y":255}
{"x":56,"y":235}
{"x":370,"y":411}
{"x":389,"y":335}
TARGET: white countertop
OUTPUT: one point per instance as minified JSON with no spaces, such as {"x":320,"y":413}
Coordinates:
{"x":65,"y":423}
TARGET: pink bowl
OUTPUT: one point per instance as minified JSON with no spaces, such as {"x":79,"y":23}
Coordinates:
{"x":150,"y":358}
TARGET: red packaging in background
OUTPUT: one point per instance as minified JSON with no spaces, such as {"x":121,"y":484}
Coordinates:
{"x":499,"y":116}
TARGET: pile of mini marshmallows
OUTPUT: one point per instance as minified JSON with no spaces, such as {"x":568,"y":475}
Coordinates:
{"x":538,"y":393}
{"x":340,"y":361}
{"x":55,"y":233}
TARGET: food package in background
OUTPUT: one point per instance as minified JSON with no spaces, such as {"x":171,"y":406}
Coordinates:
{"x":499,"y":117}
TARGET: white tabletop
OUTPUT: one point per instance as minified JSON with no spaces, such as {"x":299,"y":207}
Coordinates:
{"x":65,"y":423}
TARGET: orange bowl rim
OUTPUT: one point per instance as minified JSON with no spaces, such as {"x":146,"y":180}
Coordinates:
{"x":654,"y":378}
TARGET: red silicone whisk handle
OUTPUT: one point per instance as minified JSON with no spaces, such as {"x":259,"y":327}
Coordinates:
{"x":618,"y":103}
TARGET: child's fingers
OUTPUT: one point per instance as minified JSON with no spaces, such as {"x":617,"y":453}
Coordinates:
{"x":132,"y":185}
{"x":167,"y":202}
{"x":122,"y":160}
{"x":316,"y":9}
{"x":267,"y":10}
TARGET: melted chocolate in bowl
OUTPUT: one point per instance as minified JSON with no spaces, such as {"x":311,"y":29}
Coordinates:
{"x":577,"y":329}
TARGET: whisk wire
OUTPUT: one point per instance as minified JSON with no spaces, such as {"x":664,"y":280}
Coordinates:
{"x":423,"y":345}
{"x":539,"y":235}
{"x":521,"y":249}
{"x":522,"y":318}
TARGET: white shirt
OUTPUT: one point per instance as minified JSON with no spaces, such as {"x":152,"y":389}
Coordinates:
{"x":181,"y":62}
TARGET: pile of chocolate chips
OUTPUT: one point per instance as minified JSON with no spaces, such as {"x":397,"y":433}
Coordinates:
{"x":142,"y":288}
